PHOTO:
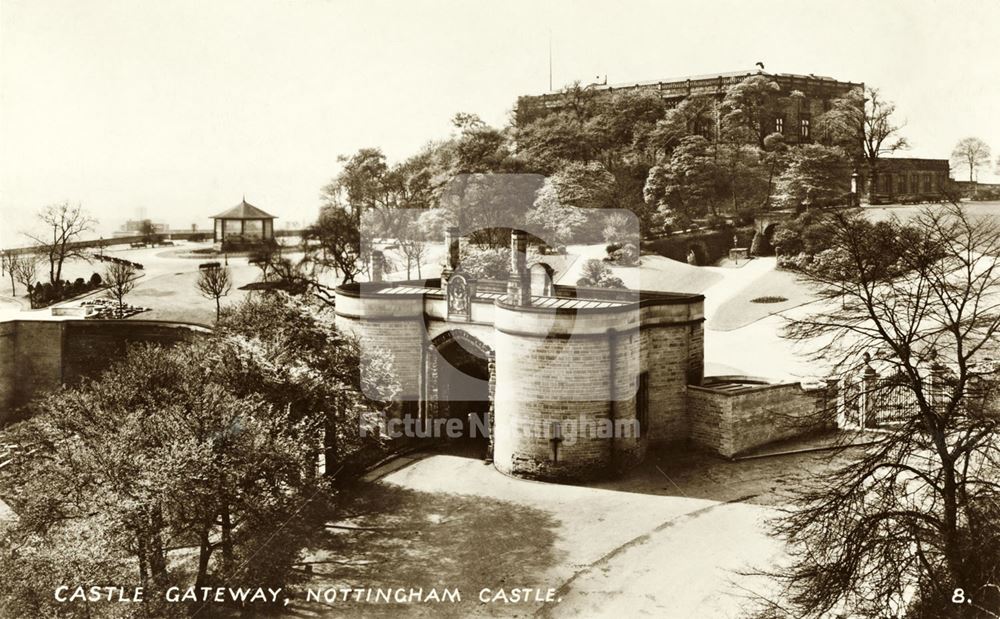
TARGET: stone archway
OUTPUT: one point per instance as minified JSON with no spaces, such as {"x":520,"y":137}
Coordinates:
{"x":459,"y":383}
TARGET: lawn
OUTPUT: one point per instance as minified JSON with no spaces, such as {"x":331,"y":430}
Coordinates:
{"x":740,"y":310}
{"x":904,"y":212}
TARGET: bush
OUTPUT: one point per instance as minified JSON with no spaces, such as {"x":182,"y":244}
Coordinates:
{"x":95,"y":280}
{"x":625,"y":256}
{"x":44,"y":293}
{"x":794,"y":262}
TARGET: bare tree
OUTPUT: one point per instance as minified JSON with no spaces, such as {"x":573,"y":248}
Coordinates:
{"x":864,"y":124}
{"x":120,"y":279}
{"x":908,"y":528}
{"x":65,"y":224}
{"x":973,"y":153}
{"x":25,"y":268}
{"x":214,"y":282}
{"x":6,"y":269}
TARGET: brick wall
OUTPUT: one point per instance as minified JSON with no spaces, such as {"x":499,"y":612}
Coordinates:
{"x":91,"y":346}
{"x":37,"y":359}
{"x":731,"y":423}
{"x":7,"y":368}
{"x":39,"y":356}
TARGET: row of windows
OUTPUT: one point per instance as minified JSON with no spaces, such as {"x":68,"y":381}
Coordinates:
{"x":912,"y":182}
{"x":805,"y":128}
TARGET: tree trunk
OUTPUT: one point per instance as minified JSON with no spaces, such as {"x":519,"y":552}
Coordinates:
{"x":204,"y":554}
{"x":329,"y":445}
{"x":218,"y":309}
{"x":227,"y":543}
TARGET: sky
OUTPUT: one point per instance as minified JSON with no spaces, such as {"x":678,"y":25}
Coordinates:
{"x":176,"y":109}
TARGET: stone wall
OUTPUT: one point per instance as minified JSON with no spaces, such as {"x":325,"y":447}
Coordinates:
{"x":731,"y":422}
{"x":8,"y":365}
{"x":39,"y":356}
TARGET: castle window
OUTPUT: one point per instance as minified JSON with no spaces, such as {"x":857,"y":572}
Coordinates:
{"x":779,"y":125}
{"x":642,"y":403}
{"x":804,"y":130}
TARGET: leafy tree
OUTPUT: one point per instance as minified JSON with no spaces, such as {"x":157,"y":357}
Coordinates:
{"x":208,"y":447}
{"x":334,"y":242}
{"x":748,"y":110}
{"x":865,"y":126}
{"x":486,"y":206}
{"x":911,"y":521}
{"x":120,"y":279}
{"x":486,"y":262}
{"x":688,"y":184}
{"x":972,"y":153}
{"x":557,"y":221}
{"x":815,"y":175}
{"x":215,"y":282}
{"x":67,"y":224}
{"x":547,"y":143}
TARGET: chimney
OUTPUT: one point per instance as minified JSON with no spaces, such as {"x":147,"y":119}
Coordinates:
{"x":519,"y":283}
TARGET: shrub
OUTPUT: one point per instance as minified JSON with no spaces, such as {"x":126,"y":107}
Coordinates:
{"x":794,"y":262}
{"x":95,"y":280}
{"x":627,"y":255}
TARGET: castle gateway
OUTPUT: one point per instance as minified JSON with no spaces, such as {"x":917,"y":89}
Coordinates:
{"x":577,"y":381}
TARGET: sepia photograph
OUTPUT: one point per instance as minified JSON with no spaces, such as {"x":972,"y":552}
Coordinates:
{"x":539,"y":309}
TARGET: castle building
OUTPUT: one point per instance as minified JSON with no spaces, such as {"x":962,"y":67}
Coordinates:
{"x":798,"y":102}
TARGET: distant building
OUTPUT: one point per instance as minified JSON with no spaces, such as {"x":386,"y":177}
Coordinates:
{"x":135,"y":227}
{"x":906,"y":179}
{"x":244,"y":223}
{"x":813,"y":96}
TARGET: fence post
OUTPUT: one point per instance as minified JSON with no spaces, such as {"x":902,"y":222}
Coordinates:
{"x":869,"y":417}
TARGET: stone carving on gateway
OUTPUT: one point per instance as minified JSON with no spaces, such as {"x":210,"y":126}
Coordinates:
{"x":557,"y":374}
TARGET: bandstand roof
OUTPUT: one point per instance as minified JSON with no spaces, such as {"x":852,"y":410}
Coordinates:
{"x":243,"y":210}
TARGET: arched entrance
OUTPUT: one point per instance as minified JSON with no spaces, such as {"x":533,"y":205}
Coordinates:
{"x":459,"y":397}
